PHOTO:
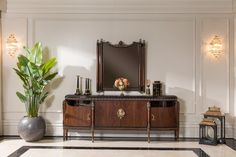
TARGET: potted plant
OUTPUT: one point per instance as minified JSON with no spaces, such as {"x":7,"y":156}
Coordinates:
{"x":35,"y":75}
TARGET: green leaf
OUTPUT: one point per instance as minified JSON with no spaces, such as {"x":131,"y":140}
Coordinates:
{"x":51,"y":76}
{"x":35,"y":70}
{"x":22,"y":76}
{"x":48,"y":66}
{"x":27,"y":50}
{"x":35,"y":55}
{"x":23,"y":61}
{"x":43,"y":97}
{"x":21,"y":97}
{"x":24,"y":64}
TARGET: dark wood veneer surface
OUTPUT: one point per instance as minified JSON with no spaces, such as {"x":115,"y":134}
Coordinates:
{"x":121,"y":112}
{"x":77,"y":116}
{"x":105,"y":114}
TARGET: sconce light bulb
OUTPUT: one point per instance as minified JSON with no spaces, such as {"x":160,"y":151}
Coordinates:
{"x":216,"y":46}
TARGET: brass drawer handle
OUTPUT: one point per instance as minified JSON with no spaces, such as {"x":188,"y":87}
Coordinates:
{"x":88,"y":117}
{"x":120,"y":113}
{"x":153,"y":117}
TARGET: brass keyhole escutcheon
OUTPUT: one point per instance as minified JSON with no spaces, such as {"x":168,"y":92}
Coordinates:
{"x":120,"y":113}
{"x":153,"y":117}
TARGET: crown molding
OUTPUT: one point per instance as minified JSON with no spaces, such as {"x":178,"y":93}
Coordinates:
{"x":119,"y":6}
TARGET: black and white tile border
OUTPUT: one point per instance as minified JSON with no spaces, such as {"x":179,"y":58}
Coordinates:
{"x":199,"y":152}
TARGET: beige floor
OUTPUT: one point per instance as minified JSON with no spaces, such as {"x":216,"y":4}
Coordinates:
{"x":9,"y":146}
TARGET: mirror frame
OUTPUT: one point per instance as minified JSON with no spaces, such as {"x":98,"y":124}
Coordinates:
{"x":141,"y":66}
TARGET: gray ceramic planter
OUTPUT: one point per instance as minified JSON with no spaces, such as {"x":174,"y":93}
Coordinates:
{"x":31,"y":129}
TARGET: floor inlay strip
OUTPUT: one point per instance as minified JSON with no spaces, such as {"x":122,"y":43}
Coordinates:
{"x":199,"y":152}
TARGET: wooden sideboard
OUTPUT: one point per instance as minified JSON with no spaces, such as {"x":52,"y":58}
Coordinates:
{"x":120,"y":112}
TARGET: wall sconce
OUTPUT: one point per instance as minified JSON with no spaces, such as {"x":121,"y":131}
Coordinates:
{"x":12,"y":45}
{"x":216,"y":46}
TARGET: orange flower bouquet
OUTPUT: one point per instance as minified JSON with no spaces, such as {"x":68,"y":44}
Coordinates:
{"x":121,"y":84}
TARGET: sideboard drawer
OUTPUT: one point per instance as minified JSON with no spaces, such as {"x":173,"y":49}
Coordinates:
{"x":77,"y":115}
{"x":121,"y":114}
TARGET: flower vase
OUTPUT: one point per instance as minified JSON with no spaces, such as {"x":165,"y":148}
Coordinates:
{"x":122,"y":93}
{"x":121,"y":88}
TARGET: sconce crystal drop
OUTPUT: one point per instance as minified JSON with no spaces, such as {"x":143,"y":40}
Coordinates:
{"x":12,"y":45}
{"x":216,"y":46}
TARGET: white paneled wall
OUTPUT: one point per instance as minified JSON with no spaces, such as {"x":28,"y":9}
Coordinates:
{"x":2,"y":5}
{"x":0,"y":79}
{"x":234,"y":128}
{"x":176,"y":55}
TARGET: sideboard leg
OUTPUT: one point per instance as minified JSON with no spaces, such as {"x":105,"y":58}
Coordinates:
{"x":92,"y":123}
{"x":148,"y":124}
{"x":149,"y":136}
{"x":93,"y":136}
{"x":66,"y":134}
{"x":177,"y":134}
{"x":64,"y":138}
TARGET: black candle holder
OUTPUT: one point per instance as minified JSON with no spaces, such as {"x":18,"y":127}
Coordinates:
{"x":87,"y":86}
{"x":79,"y":86}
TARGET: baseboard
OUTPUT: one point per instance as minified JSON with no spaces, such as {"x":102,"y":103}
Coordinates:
{"x":230,"y":142}
{"x":109,"y":138}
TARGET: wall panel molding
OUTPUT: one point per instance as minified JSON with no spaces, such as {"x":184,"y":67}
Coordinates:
{"x":119,"y":6}
{"x":35,"y":30}
{"x":124,"y":18}
{"x":211,"y":26}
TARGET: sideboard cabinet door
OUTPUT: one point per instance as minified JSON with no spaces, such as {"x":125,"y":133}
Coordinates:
{"x":135,"y":114}
{"x":164,"y":115}
{"x":77,"y":116}
{"x":106,"y":114}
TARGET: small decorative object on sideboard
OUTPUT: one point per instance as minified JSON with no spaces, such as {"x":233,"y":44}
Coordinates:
{"x":208,"y":132}
{"x":148,"y":87}
{"x":79,"y":85}
{"x":157,"y":88}
{"x":87,"y":86}
{"x":121,"y":84}
{"x":215,"y":113}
